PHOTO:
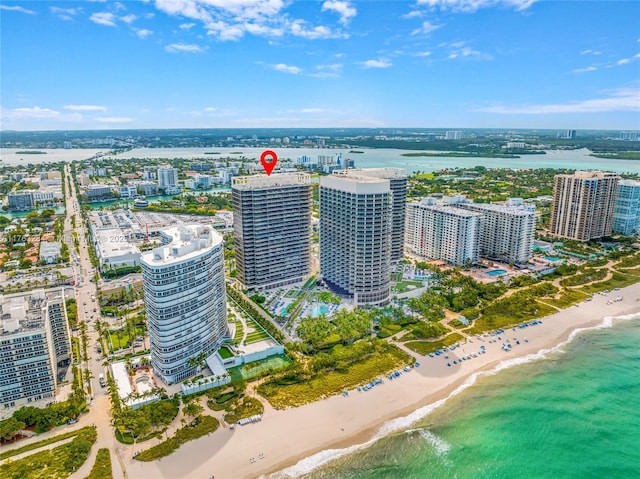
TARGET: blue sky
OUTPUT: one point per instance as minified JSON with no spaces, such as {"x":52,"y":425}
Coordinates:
{"x":333,"y":63}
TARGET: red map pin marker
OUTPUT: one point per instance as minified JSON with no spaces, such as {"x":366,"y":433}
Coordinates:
{"x":268,"y":165}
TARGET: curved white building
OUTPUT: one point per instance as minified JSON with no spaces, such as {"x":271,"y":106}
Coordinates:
{"x":185,"y":297}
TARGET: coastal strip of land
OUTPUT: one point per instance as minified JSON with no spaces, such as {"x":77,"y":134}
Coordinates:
{"x":283,"y":438}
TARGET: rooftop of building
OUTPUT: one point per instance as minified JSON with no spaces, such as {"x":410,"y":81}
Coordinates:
{"x":388,"y":173}
{"x":113,"y":243}
{"x":587,"y":174}
{"x":432,"y":204}
{"x":188,"y":241}
{"x":24,"y":311}
{"x":626,"y":182}
{"x":270,"y":181}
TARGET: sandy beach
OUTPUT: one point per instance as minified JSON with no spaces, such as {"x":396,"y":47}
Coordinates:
{"x":294,"y":441}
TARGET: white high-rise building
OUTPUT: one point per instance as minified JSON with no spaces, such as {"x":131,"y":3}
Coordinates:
{"x":185,"y":296}
{"x":436,"y":230}
{"x":507,"y":231}
{"x":35,"y":347}
{"x":167,"y":177}
{"x":272,"y":229}
{"x":626,"y":217}
{"x":398,"y":183}
{"x":355,"y":237}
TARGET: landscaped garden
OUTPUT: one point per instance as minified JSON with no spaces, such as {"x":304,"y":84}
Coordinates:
{"x":56,"y":463}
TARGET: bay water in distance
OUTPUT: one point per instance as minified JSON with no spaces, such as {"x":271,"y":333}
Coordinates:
{"x":573,"y":414}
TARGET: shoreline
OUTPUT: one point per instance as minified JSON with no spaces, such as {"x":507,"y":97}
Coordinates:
{"x":297,"y":441}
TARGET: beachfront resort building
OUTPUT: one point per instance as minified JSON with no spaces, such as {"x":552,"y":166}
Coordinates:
{"x":398,"y":183}
{"x":583,"y":204}
{"x":438,"y":231}
{"x":272,"y":229}
{"x":626,"y":217}
{"x":355,"y":236}
{"x":506,"y":231}
{"x":35,"y":347}
{"x":185,"y":296}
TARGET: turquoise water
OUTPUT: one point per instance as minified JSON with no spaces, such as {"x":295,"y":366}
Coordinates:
{"x":497,"y":272}
{"x":552,"y":258}
{"x":319,"y":309}
{"x":570,"y":415}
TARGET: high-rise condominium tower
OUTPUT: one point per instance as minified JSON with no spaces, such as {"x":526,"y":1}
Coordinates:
{"x":583,"y":204}
{"x":272,"y":229}
{"x":506,"y":231}
{"x":355,"y":236}
{"x":398,"y":183}
{"x":436,"y":230}
{"x":626,"y":218}
{"x":185,"y":296}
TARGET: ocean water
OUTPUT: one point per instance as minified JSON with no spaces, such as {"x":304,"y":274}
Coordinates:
{"x":572,"y":412}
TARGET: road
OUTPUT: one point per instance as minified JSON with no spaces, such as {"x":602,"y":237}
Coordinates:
{"x":88,"y":312}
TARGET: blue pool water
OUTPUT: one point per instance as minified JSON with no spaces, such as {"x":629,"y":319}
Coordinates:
{"x":419,"y":277}
{"x":552,"y":258}
{"x":319,"y":309}
{"x":497,"y":272}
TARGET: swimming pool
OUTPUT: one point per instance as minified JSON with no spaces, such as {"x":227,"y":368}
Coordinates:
{"x":552,"y":258}
{"x":497,"y":272}
{"x":318,"y":309}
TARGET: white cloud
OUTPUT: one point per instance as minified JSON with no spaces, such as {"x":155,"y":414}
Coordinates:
{"x":467,"y":52}
{"x":85,"y":108}
{"x":344,"y":9}
{"x":64,"y":13}
{"x":380,"y":63}
{"x":143,"y":32}
{"x":129,"y":18}
{"x":284,"y":68}
{"x":17,"y":9}
{"x":623,"y":99}
{"x":103,"y":18}
{"x":307,"y":110}
{"x":114,"y":119}
{"x":623,"y":61}
{"x":423,"y":54}
{"x":589,"y":52}
{"x":426,"y":28}
{"x":333,"y":70}
{"x":298,"y":29}
{"x":34,"y":112}
{"x":230,"y":20}
{"x":413,"y":14}
{"x":210,"y":108}
{"x":184,"y":48}
{"x":469,"y":6}
{"x":584,"y":70}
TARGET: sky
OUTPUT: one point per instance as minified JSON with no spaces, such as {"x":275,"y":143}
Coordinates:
{"x":87,"y":65}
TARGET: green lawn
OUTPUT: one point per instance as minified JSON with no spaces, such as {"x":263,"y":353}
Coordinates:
{"x":239,"y":332}
{"x":44,"y":442}
{"x":203,"y":425}
{"x":569,"y":297}
{"x":258,"y":335}
{"x":57,"y":463}
{"x":121,"y":338}
{"x":426,"y":347}
{"x":251,"y":370}
{"x":618,"y":280}
{"x":102,"y":467}
{"x":327,"y":384}
{"x":403,"y":286}
{"x":225,"y":353}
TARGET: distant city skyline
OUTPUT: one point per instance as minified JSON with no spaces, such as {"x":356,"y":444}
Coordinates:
{"x":311,"y":64}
